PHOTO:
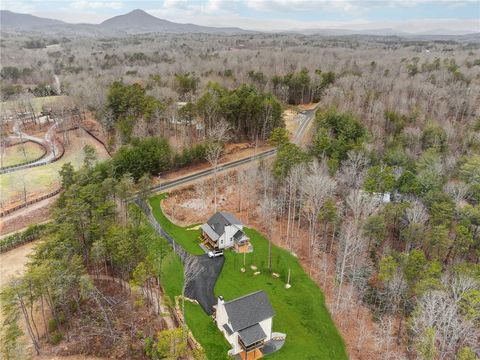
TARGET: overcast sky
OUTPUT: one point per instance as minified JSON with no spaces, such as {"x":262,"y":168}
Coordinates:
{"x":406,"y":15}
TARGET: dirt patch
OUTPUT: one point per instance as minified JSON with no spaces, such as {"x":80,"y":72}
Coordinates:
{"x":72,"y":357}
{"x":13,"y":262}
{"x":364,"y":338}
{"x":291,"y":122}
{"x":308,"y":106}
{"x":30,"y":215}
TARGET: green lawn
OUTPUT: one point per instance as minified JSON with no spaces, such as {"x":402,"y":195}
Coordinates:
{"x":21,"y":153}
{"x":172,"y":275}
{"x":300,"y":311}
{"x":189,"y":239}
{"x":171,"y":270}
{"x":46,"y":178}
{"x":205,"y":331}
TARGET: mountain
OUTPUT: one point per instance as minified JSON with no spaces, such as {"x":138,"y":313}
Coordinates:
{"x":135,"y":22}
{"x":25,"y":21}
{"x":139,"y":21}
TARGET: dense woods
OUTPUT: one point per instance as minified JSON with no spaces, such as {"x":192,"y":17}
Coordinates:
{"x":406,"y":223}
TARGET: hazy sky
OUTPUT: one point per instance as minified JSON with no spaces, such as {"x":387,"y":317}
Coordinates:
{"x":407,"y":15}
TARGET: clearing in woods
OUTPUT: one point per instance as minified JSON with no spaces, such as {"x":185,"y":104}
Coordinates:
{"x":44,"y":179}
{"x":37,"y":103}
{"x":20,"y":153}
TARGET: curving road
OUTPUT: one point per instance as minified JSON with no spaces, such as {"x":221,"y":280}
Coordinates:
{"x":52,"y":148}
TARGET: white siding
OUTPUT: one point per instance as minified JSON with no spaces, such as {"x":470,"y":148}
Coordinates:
{"x":222,"y":319}
{"x":267,"y":328}
{"x":221,"y":242}
{"x":229,"y":232}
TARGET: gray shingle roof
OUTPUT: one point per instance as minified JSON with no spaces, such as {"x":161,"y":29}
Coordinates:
{"x":210,"y":232}
{"x":252,"y":334}
{"x":219,"y":220}
{"x":249,"y":310}
{"x":238,"y":235}
{"x":232,"y":219}
{"x":228,"y":329}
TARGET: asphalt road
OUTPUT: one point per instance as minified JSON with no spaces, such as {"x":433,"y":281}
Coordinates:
{"x":201,"y":272}
{"x":305,"y":120}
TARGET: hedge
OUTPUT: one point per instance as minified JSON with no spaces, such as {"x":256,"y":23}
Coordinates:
{"x":22,"y":237}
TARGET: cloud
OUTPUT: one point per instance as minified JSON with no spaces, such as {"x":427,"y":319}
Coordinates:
{"x":85,"y":4}
{"x":348,"y":6}
{"x":199,"y":7}
{"x":303,"y":5}
{"x":18,"y":6}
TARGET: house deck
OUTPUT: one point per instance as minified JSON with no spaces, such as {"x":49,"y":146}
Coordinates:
{"x":251,"y":355}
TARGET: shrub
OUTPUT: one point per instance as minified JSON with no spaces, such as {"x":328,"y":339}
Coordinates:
{"x":56,"y":337}
{"x":19,"y":238}
{"x":52,"y":325}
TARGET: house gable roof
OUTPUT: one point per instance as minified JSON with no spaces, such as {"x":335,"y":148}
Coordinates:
{"x":210,"y":232}
{"x":219,"y":220}
{"x":238,"y":235}
{"x":252,"y":334}
{"x":248,"y":310}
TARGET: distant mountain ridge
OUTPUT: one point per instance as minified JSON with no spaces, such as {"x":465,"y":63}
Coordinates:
{"x":9,"y":18}
{"x":134,"y":22}
{"x":140,"y":22}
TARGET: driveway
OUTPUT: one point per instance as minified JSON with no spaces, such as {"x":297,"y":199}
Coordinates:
{"x":200,"y":272}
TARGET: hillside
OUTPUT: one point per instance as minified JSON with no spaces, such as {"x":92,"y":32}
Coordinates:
{"x":134,"y":22}
{"x":9,"y":19}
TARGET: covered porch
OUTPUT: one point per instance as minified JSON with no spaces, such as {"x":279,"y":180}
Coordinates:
{"x":209,"y":237}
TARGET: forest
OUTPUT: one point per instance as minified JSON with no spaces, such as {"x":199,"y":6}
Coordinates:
{"x":381,"y":201}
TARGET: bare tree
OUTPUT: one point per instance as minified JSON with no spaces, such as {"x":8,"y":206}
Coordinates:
{"x":316,"y":187}
{"x":216,"y":136}
{"x":438,"y":315}
{"x":353,"y":170}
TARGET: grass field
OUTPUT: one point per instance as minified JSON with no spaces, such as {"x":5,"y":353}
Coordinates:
{"x":189,"y":239}
{"x":37,"y":102}
{"x":21,"y":153}
{"x":44,"y":179}
{"x":300,"y":311}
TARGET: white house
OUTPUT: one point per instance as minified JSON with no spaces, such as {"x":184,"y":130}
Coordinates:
{"x":223,"y":230}
{"x":246,"y":322}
